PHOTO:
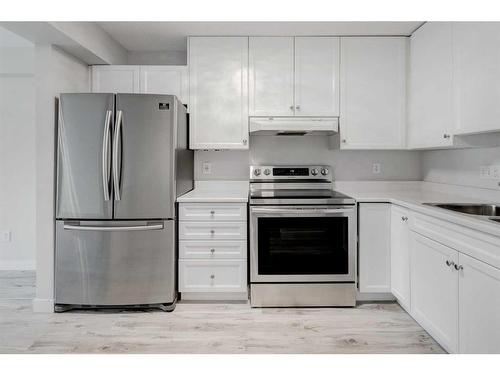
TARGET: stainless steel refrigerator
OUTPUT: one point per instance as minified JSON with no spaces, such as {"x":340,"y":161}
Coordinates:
{"x":122,"y":160}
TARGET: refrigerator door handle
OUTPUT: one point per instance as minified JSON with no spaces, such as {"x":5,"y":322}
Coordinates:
{"x":105,"y":155}
{"x":113,"y":228}
{"x":116,"y":164}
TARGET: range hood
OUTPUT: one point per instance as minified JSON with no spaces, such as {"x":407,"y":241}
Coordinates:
{"x":294,"y":125}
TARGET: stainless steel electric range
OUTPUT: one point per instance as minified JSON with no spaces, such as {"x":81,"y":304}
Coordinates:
{"x":302,"y":238}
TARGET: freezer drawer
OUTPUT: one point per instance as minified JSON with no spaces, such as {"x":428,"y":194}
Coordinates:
{"x":115,"y":262}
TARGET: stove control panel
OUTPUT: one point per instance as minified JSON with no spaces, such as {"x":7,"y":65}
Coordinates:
{"x":310,"y":172}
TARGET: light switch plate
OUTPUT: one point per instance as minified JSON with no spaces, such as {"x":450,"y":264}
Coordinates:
{"x":206,"y":167}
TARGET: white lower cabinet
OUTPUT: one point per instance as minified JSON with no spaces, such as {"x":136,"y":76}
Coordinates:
{"x":212,"y":276}
{"x":400,"y":255}
{"x":434,"y":290}
{"x":374,"y":247}
{"x":213,"y":251}
{"x":479,"y":306}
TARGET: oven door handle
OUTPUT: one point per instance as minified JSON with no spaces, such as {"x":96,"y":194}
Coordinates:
{"x":301,"y":211}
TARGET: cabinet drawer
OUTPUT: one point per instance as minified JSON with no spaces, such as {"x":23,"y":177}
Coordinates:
{"x":213,"y":249}
{"x":213,"y":211}
{"x":212,"y":276}
{"x":192,"y":230}
{"x":477,"y":244}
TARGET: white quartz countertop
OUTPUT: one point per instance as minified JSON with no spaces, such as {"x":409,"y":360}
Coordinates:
{"x":217,"y":192}
{"x":412,"y":194}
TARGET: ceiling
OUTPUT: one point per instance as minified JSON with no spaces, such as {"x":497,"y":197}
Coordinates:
{"x":10,"y":39}
{"x":171,"y":36}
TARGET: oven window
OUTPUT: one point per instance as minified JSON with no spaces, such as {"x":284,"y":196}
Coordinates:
{"x":303,"y":246}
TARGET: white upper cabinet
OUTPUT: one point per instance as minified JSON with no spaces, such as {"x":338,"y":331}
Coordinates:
{"x":317,"y":76}
{"x":476,"y":60}
{"x":218,"y":92}
{"x":294,"y":76}
{"x":115,"y":78}
{"x":430,"y":94}
{"x":164,"y":79}
{"x":373,"y":92}
{"x":271,"y":76}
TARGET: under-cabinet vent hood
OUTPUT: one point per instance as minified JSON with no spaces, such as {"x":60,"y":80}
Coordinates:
{"x":294,"y":125}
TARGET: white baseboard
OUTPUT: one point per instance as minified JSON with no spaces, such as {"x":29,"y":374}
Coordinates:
{"x":364,"y":297}
{"x":41,"y":305}
{"x":14,"y":265}
{"x":215,"y":296}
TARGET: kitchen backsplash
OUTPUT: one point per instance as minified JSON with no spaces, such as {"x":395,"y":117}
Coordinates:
{"x":461,"y":167}
{"x":347,"y":165}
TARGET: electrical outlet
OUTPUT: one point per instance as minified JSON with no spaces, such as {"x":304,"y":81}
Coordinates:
{"x":206,"y":167}
{"x":376,"y":168}
{"x":495,"y":172}
{"x":5,"y":236}
{"x":484,"y":172}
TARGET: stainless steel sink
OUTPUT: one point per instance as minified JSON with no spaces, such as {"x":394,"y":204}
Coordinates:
{"x":470,"y":208}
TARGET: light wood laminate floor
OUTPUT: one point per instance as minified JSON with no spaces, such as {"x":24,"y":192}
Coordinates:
{"x":205,"y":328}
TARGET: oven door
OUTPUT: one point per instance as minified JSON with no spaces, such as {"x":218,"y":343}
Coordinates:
{"x":302,"y":244}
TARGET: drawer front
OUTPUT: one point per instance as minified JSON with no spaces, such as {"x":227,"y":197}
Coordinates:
{"x":474,"y":243}
{"x":212,"y":249}
{"x":212,"y":276}
{"x":191,"y":230}
{"x":212,"y":211}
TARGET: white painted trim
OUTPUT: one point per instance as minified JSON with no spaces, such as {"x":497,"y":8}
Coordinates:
{"x":41,"y":305}
{"x":215,"y":296}
{"x":17,"y":265}
{"x":364,"y":297}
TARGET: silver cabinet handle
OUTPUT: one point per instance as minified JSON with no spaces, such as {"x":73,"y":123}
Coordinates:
{"x":404,"y":218}
{"x":449,"y":263}
{"x":458,"y":267}
{"x":105,"y":159}
{"x":212,"y":213}
{"x":116,"y":142}
{"x":297,"y":107}
{"x":446,"y":136}
{"x":245,"y":141}
{"x":344,"y":141}
{"x":212,"y":231}
{"x":212,"y":277}
{"x":291,"y":108}
{"x":212,"y":251}
{"x":113,"y":229}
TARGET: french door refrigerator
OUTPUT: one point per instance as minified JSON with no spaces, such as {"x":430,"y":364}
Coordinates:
{"x":121,"y":162}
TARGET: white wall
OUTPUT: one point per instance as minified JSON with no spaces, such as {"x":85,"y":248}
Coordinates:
{"x":348,"y":165}
{"x":17,"y":154}
{"x":55,"y":72}
{"x":460,"y":167}
{"x":157,"y":58}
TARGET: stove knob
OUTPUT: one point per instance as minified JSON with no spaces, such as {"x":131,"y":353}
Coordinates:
{"x":324,"y":171}
{"x":314,"y":171}
{"x":256,"y":172}
{"x":267,"y":172}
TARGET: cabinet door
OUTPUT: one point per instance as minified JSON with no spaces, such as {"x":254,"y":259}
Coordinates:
{"x":373,"y":92}
{"x":476,"y":61}
{"x":434,"y":290}
{"x":115,"y":78}
{"x":218,"y":92}
{"x":400,"y":255}
{"x":317,"y":76}
{"x":479,"y":285}
{"x":271,"y":76}
{"x":374,"y":248}
{"x":430,"y":117}
{"x":169,"y":80}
